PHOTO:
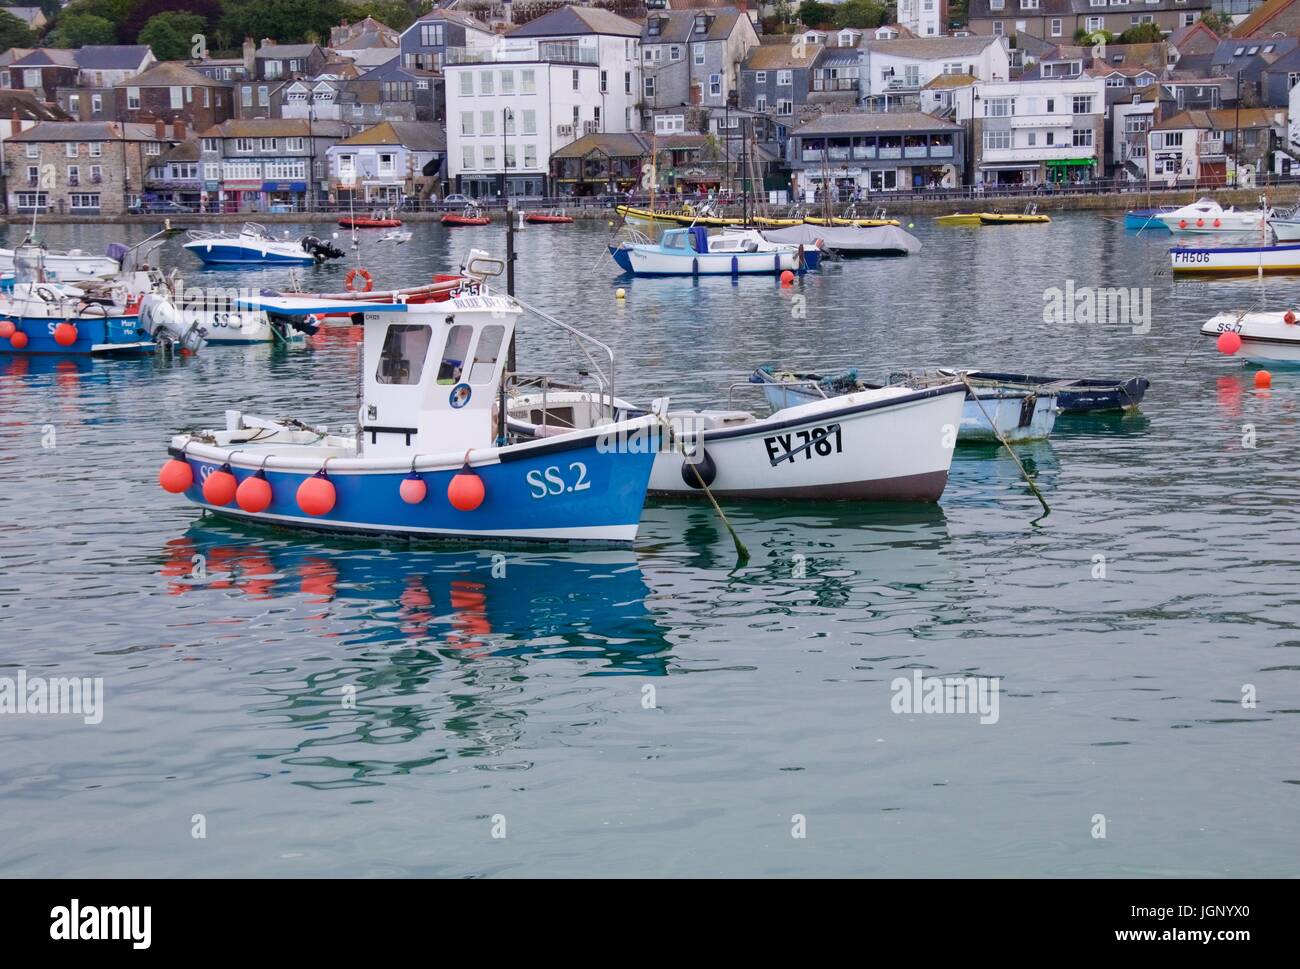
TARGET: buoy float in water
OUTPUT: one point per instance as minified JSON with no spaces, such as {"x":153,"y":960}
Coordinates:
{"x":316,"y":495}
{"x":18,"y":340}
{"x":466,"y":491}
{"x":254,"y":494}
{"x":219,"y":487}
{"x":1263,"y":379}
{"x":620,"y":293}
{"x":7,"y":329}
{"x":176,"y":476}
{"x":413,"y":489}
{"x":787,"y":278}
{"x":1229,"y":343}
{"x":65,"y":334}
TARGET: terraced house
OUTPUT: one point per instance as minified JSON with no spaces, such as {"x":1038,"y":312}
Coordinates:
{"x":266,"y":165}
{"x":81,"y":167}
{"x":1060,"y":20}
{"x":693,"y":56}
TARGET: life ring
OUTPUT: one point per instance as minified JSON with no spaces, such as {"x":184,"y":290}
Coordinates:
{"x":1217,"y":223}
{"x":1182,"y":224}
{"x":353,"y":274}
{"x":1200,"y":223}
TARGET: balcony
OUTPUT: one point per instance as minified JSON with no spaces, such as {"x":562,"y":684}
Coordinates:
{"x":919,"y":151}
{"x":1040,"y":153}
{"x":458,"y":55}
{"x":941,"y":151}
{"x":891,"y":152}
{"x":1213,"y":148}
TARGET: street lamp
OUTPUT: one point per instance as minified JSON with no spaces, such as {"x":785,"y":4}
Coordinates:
{"x":506,"y":117}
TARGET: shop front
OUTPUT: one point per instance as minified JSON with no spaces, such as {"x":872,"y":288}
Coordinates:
{"x":1070,"y":171}
{"x":284,"y":196}
{"x":1010,"y":173}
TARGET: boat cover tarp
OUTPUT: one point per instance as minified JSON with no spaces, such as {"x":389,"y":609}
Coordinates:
{"x":847,"y":238}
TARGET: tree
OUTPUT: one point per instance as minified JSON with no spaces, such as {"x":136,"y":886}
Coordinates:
{"x":171,"y":34}
{"x":1089,"y":37}
{"x":862,"y":14}
{"x":79,"y":30}
{"x":14,"y":33}
{"x":116,"y":12}
{"x":285,"y":21}
{"x":1217,"y":22}
{"x":815,"y":14}
{"x":390,"y":13}
{"x":145,"y":10}
{"x":1142,"y":34}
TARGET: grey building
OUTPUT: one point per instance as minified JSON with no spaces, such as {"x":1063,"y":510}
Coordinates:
{"x":856,"y":155}
{"x":693,"y":56}
{"x":425,"y":43}
{"x":777,"y":77}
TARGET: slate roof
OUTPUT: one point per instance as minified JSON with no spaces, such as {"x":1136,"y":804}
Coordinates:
{"x":112,"y":57}
{"x":88,"y":131}
{"x":679,"y":25}
{"x":932,"y":48}
{"x":567,"y":21}
{"x":415,"y":135}
{"x":172,"y":74}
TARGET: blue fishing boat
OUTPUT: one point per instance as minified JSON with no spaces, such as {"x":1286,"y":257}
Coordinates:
{"x":693,"y":252}
{"x":425,"y":460}
{"x":253,"y":245}
{"x":1146,"y":218}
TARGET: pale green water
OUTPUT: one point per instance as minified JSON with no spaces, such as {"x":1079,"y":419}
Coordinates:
{"x":522,"y":696}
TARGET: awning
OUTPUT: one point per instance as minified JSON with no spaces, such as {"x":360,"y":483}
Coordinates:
{"x":1071,"y":161}
{"x":284,"y":186}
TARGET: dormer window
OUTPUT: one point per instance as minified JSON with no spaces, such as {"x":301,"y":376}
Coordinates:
{"x":701,"y":23}
{"x":655,"y":26}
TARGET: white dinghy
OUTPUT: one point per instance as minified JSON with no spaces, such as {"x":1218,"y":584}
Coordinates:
{"x":1268,"y":339}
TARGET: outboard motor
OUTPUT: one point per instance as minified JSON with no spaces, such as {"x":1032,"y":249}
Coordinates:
{"x":166,"y":325}
{"x":303,"y":324}
{"x":320,"y":249}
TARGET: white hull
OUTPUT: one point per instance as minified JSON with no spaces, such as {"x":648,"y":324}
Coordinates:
{"x":1189,"y":221}
{"x":1286,"y":230}
{"x":1235,"y":259}
{"x":67,"y":267}
{"x":655,"y":263}
{"x":1266,"y":338}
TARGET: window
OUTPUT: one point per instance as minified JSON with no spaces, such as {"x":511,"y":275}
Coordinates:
{"x":997,"y":4}
{"x":74,"y":105}
{"x":268,"y":144}
{"x":263,"y":96}
{"x":33,"y":200}
{"x":211,"y":144}
{"x":530,"y":122}
{"x":211,"y":172}
{"x":697,"y":55}
{"x":485,"y":82}
{"x":246,"y":96}
{"x":667,"y":124}
{"x":1032,"y":138}
{"x":784,"y":106}
{"x":715,"y":85}
{"x":33,"y":150}
{"x":70,"y":149}
{"x":489,"y":157}
{"x":998,"y":28}
{"x":295,"y":144}
{"x":431,"y":35}
{"x":32,"y":79}
{"x":627,"y":82}
{"x":674,"y":53}
{"x":649,"y":87}
{"x":466,"y":84}
{"x":487,"y":351}
{"x":83,"y":201}
{"x":133,"y":99}
{"x":96,"y":104}
{"x":507,"y":82}
{"x":467,"y":156}
{"x":760,"y":103}
{"x":244,"y":144}
{"x":999,"y":107}
{"x":604,"y":82}
{"x":575,"y":80}
{"x":1051,"y":105}
{"x":153,"y":148}
{"x":997,"y":139}
{"x":577,"y":116}
{"x":386,"y":166}
{"x":74,"y":175}
{"x":1056,"y":26}
{"x":33,"y":174}
{"x":177,"y":97}
{"x":401,"y":361}
{"x":454,"y":354}
{"x":1028,"y":4}
{"x":528,"y":81}
{"x":96,"y":174}
{"x":487,"y":123}
{"x":530,"y":156}
{"x":1051,"y":137}
{"x":1173,"y":139}
{"x":467,"y":122}
{"x":1095,"y":23}
{"x":1083,"y":104}
{"x":510,"y":156}
{"x":1082,"y":137}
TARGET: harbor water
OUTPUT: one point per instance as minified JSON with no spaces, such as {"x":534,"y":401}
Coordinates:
{"x":276,"y":704}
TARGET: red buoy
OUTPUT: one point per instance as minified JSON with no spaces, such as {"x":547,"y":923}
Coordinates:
{"x":254,"y":494}
{"x":787,"y":278}
{"x":316,"y":495}
{"x":1229,"y":343}
{"x":1290,"y":318}
{"x":7,"y":329}
{"x":1263,"y":379}
{"x":466,"y":491}
{"x":65,"y":334}
{"x":219,"y":487}
{"x":18,"y":340}
{"x":413,"y":489}
{"x":176,"y":476}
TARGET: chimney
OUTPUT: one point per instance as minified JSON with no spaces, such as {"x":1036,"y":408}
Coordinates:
{"x":178,"y":131}
{"x":160,"y":130}
{"x":250,"y":57}
{"x":267,"y":42}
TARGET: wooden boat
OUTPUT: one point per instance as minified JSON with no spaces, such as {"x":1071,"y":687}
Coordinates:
{"x":1018,"y":412}
{"x":884,"y":444}
{"x":1235,"y":260}
{"x":472,"y":215}
{"x":548,"y":218}
{"x":369,"y":222}
{"x":1267,"y":339}
{"x":1075,"y":395}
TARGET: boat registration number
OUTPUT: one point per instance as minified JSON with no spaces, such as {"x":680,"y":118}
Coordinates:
{"x":1192,"y":256}
{"x":818,"y":441}
{"x":544,"y":482}
{"x":1229,"y":327}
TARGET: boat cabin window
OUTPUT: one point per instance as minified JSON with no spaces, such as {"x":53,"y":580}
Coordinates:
{"x":402,"y":359}
{"x":485,"y":354}
{"x":453,"y":355}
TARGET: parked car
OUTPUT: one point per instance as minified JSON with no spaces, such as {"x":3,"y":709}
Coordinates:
{"x":161,"y":207}
{"x":455,"y":201}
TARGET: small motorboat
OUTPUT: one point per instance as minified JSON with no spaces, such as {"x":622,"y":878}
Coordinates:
{"x":687,"y":215}
{"x":68,"y":265}
{"x":397,"y":237}
{"x":424,"y":461}
{"x":1145,"y":219}
{"x":254,"y":245}
{"x":1030,"y":216}
{"x":693,"y":252}
{"x":1267,"y":338}
{"x":849,"y":241}
{"x":1286,"y":225}
{"x":1235,"y":260}
{"x":548,"y":218}
{"x":1075,"y":395}
{"x":1206,"y":216}
{"x":885,"y":444}
{"x":382,"y":219}
{"x":1019,"y":413}
{"x":471,"y":215}
{"x":959,"y":218}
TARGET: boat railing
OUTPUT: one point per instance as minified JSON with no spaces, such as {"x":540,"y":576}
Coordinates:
{"x":783,"y":384}
{"x":519,"y":382}
{"x":254,"y":229}
{"x":587,"y":344}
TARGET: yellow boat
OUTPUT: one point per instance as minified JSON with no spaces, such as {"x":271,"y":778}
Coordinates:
{"x":1011,"y":218}
{"x":677,"y":217}
{"x":959,"y":218}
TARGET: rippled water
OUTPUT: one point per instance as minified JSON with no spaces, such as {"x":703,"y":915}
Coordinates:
{"x":483,"y":700}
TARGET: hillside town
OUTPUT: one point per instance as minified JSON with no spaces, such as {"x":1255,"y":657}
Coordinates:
{"x":494,"y":101}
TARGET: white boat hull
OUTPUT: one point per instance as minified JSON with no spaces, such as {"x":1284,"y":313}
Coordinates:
{"x":648,"y":261}
{"x":1235,"y":259}
{"x":1266,"y":338}
{"x":1183,"y":224}
{"x":66,"y":267}
{"x":1286,"y":230}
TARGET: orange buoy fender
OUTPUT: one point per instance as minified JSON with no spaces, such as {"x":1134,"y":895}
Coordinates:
{"x":254,"y":494}
{"x":316,"y":495}
{"x":176,"y":476}
{"x":466,"y":491}
{"x":219,"y":487}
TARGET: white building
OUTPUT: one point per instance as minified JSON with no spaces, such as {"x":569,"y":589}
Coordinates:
{"x":895,"y":70}
{"x":925,"y":18}
{"x":1029,"y":132}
